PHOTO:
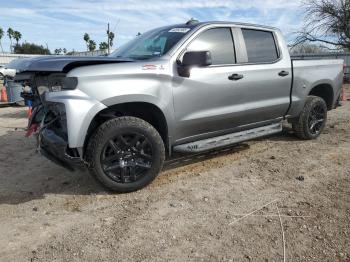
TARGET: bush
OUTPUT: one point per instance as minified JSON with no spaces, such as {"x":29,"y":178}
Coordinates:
{"x":30,"y":48}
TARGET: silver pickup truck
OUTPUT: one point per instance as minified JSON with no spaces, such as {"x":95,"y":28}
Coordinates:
{"x":183,"y":88}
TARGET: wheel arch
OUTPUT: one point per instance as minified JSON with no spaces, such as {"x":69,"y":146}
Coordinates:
{"x":325,"y":91}
{"x":149,"y":112}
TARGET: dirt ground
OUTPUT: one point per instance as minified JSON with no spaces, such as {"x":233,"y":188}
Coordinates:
{"x":239,"y":204}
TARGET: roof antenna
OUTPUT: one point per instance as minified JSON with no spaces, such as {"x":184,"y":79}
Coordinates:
{"x":192,"y":21}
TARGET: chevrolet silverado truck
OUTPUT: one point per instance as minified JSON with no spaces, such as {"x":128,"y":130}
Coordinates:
{"x":183,"y":88}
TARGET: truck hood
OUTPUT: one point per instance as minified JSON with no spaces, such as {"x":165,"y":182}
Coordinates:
{"x":60,"y":63}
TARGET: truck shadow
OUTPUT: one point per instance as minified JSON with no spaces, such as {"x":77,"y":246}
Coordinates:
{"x":25,"y":175}
{"x":286,"y":135}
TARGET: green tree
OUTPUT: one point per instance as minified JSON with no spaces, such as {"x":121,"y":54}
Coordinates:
{"x":1,"y":36}
{"x":92,"y":45}
{"x":103,"y":46}
{"x":87,"y":39}
{"x":30,"y":48}
{"x":10,"y":35}
{"x":17,"y":36}
{"x":58,"y":51}
{"x":64,"y":51}
{"x":111,"y":38}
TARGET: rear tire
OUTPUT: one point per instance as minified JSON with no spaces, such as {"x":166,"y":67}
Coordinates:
{"x":312,"y":119}
{"x":125,"y":154}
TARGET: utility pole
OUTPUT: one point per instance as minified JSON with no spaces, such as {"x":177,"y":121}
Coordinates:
{"x":108,"y":37}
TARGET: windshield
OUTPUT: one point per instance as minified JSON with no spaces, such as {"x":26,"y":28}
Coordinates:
{"x":151,"y":44}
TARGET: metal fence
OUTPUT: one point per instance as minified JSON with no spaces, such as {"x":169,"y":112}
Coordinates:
{"x":6,"y":58}
{"x":344,"y":55}
{"x":91,"y":53}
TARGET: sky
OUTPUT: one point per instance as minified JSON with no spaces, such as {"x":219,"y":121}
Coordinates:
{"x":62,"y":23}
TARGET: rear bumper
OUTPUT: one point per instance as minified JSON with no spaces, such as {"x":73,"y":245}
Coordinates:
{"x":54,"y":148}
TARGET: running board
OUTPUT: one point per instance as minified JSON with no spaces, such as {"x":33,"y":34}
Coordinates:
{"x":225,"y":140}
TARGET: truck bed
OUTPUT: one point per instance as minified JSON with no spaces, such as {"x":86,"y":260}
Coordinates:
{"x":307,"y":74}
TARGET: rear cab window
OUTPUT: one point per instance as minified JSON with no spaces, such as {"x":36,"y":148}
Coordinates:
{"x":260,"y":45}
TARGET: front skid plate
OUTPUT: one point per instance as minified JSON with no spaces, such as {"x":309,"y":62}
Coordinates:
{"x":225,"y":140}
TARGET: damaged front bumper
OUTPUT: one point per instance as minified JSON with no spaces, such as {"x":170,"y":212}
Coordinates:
{"x":52,"y":139}
{"x":61,"y":116}
{"x":56,"y":149}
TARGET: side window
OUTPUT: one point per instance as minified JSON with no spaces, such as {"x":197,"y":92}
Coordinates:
{"x":261,"y":46}
{"x":220,"y":44}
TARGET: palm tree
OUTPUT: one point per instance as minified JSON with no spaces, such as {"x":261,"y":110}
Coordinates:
{"x":17,"y":36}
{"x":1,"y":36}
{"x":103,"y":46}
{"x":87,"y":39}
{"x":92,"y":45}
{"x":58,"y":51}
{"x":10,"y":35}
{"x":111,"y":38}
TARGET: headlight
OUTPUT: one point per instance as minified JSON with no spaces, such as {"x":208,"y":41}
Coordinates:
{"x":56,"y":88}
{"x":68,"y":83}
{"x":55,"y":82}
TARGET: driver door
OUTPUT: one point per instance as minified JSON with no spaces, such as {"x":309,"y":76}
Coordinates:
{"x":205,"y":101}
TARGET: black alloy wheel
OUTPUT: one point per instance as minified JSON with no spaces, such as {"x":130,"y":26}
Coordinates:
{"x":316,"y":119}
{"x":127,"y":157}
{"x":125,"y":154}
{"x":312,"y":119}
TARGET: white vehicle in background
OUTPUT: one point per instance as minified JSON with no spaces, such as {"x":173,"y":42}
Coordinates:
{"x":6,"y":72}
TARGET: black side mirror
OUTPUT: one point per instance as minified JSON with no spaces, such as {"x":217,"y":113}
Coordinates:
{"x":193,"y":59}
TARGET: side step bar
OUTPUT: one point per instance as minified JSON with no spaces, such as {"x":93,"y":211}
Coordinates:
{"x":225,"y":140}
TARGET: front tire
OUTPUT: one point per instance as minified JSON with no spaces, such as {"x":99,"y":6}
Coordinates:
{"x":125,"y":154}
{"x":312,"y":119}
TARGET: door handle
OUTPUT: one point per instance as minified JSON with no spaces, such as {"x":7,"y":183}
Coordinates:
{"x":235,"y":77}
{"x":283,"y":73}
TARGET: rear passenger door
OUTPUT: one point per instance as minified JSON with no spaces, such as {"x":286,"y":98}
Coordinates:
{"x":266,"y":81}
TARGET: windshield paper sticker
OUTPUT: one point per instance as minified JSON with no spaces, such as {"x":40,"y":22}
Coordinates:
{"x":179,"y":30}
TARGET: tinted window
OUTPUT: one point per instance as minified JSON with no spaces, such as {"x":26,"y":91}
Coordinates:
{"x":219,"y":42}
{"x":260,"y":45}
